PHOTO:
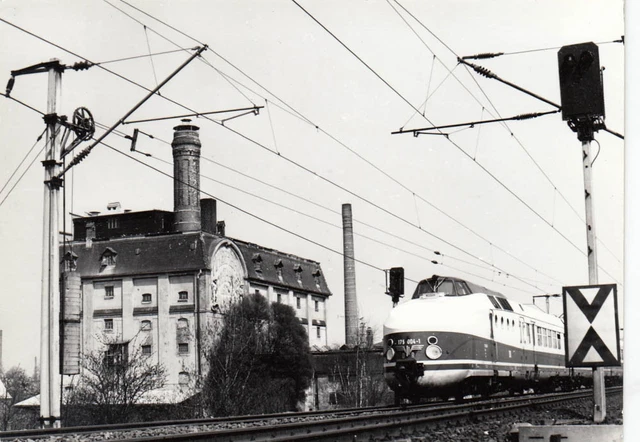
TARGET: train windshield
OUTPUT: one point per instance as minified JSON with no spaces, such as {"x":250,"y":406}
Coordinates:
{"x":439,"y":285}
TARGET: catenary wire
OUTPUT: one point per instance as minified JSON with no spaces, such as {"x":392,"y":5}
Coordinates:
{"x":448,"y":138}
{"x":266,"y":148}
{"x":323,"y":207}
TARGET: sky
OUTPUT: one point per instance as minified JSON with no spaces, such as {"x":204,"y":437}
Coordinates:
{"x":501,"y":204}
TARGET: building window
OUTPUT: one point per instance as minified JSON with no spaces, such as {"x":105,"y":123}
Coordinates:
{"x":183,"y":296}
{"x":316,"y":306}
{"x":183,"y":323}
{"x":183,"y":349}
{"x":108,"y":292}
{"x":108,"y":257}
{"x":297,"y":302}
{"x":146,"y":350}
{"x":183,"y":378}
{"x":108,"y":325}
{"x":257,"y":262}
{"x":279,"y":298}
{"x":146,"y":298}
{"x":318,"y":334}
{"x":113,"y":223}
{"x":145,"y":325}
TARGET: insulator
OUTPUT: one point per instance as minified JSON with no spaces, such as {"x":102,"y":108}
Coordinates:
{"x":10,"y":84}
{"x":81,"y":65}
{"x":484,"y":71}
{"x":483,"y":55}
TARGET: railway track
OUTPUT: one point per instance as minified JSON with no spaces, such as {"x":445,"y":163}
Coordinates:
{"x":333,"y":425}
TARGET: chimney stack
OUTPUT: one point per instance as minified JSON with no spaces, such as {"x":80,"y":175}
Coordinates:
{"x":186,"y":177}
{"x":350,"y":301}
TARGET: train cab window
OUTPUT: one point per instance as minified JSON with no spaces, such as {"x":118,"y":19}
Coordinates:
{"x":493,"y":301}
{"x":505,"y":304}
{"x":462,"y":288}
{"x":447,"y":288}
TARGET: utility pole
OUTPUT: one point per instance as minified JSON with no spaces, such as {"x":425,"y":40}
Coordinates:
{"x":50,"y":309}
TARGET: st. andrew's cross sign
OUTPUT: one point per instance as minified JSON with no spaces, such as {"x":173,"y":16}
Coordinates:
{"x":592,"y":336}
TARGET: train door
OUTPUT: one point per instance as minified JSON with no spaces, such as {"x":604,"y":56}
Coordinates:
{"x":492,"y":347}
{"x":533,"y":352}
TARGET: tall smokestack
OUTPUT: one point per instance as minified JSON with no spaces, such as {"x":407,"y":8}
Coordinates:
{"x":350,"y":300}
{"x":186,"y":177}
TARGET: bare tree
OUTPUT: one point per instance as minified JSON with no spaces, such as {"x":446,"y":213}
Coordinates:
{"x":357,"y":373}
{"x":112,"y":382}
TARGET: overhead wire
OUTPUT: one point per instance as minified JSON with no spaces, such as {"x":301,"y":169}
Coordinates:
{"x":264,"y":147}
{"x":320,"y":206}
{"x":297,"y":113}
{"x":277,"y":225}
{"x":448,"y":138}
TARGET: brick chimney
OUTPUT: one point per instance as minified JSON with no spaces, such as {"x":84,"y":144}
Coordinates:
{"x":186,"y":177}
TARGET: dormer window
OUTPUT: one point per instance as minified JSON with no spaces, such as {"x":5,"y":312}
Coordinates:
{"x":257,"y":262}
{"x":298,"y":270}
{"x":278,"y":265}
{"x":108,"y":257}
{"x":316,"y":277}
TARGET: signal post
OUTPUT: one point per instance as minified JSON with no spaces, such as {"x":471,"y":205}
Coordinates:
{"x":582,"y":97}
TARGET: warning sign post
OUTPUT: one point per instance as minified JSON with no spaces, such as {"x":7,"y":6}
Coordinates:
{"x":592,"y":334}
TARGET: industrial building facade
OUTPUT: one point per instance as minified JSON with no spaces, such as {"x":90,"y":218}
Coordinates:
{"x":158,"y":279}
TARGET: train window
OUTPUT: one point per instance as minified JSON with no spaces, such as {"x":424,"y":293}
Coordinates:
{"x":462,"y":288}
{"x":505,"y":304}
{"x":493,"y":301}
{"x":447,"y":288}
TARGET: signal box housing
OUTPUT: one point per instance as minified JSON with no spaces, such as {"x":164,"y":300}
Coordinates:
{"x":581,"y":90}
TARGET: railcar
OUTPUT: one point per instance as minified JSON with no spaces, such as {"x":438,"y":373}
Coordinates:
{"x":454,"y":338}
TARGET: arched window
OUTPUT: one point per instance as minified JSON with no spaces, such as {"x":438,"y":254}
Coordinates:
{"x":145,"y":325}
{"x":146,"y":298}
{"x":183,"y":323}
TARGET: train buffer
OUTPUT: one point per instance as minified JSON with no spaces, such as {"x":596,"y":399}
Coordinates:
{"x":567,"y":433}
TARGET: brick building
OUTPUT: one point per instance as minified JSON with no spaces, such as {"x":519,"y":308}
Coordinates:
{"x":158,"y":278}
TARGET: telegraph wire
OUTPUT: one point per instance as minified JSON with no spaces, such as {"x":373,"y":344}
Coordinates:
{"x":153,"y":66}
{"x":580,"y":217}
{"x":449,"y":139}
{"x":329,"y":135}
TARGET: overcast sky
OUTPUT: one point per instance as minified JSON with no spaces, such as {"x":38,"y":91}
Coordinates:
{"x":503,"y":205}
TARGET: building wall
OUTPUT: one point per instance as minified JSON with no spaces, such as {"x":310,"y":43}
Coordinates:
{"x":171,"y":313}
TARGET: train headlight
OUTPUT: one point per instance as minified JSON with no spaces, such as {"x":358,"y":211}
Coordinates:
{"x":433,"y":352}
{"x":390,"y":354}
